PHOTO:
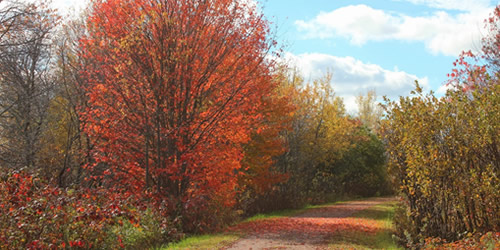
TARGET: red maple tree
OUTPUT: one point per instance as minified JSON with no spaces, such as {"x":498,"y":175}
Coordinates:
{"x":174,"y":91}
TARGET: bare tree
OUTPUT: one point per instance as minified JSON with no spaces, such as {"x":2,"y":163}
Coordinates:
{"x":70,"y":97}
{"x":25,"y":80}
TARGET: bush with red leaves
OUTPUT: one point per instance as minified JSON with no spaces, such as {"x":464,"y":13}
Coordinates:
{"x":36,"y":215}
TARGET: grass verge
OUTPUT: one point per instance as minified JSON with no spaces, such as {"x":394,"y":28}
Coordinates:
{"x":381,"y":217}
{"x":208,"y":241}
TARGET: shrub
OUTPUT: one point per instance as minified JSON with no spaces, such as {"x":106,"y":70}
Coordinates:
{"x":443,"y":156}
{"x":33,"y":214}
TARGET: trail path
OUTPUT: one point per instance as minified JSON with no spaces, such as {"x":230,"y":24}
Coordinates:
{"x":311,"y":229}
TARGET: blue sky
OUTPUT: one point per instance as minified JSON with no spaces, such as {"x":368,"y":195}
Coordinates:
{"x":378,"y":44}
{"x":383,"y":45}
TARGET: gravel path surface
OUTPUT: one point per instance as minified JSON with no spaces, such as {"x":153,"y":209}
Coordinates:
{"x":311,"y":229}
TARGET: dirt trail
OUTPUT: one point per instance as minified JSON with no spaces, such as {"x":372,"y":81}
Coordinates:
{"x":311,"y":229}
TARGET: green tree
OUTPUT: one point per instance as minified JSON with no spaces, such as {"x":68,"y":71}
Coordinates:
{"x":363,"y":169}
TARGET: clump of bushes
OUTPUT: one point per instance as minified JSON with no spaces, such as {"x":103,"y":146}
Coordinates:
{"x":34,"y":214}
{"x":443,"y":156}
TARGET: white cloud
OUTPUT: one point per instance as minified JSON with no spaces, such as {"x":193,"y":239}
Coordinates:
{"x":66,"y":7}
{"x":359,"y":22}
{"x":351,"y":77}
{"x":464,"y":5}
{"x":441,"y":91}
{"x":441,"y":32}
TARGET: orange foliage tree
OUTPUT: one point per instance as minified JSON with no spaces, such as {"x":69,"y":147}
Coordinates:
{"x":260,"y":172}
{"x":175,"y":89}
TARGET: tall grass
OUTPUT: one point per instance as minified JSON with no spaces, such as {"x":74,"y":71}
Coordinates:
{"x":381,"y":216}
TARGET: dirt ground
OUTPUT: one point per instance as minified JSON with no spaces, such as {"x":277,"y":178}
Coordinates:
{"x":312,"y":229}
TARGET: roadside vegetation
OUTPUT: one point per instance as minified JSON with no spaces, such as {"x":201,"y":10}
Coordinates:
{"x":383,"y":217}
{"x":444,"y":154}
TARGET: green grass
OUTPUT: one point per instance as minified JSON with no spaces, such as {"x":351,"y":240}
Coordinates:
{"x":209,"y":241}
{"x":381,"y":215}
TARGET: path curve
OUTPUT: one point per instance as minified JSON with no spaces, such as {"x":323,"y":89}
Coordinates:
{"x":311,"y":229}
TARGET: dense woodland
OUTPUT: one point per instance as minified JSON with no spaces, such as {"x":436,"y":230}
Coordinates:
{"x":141,"y":121}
